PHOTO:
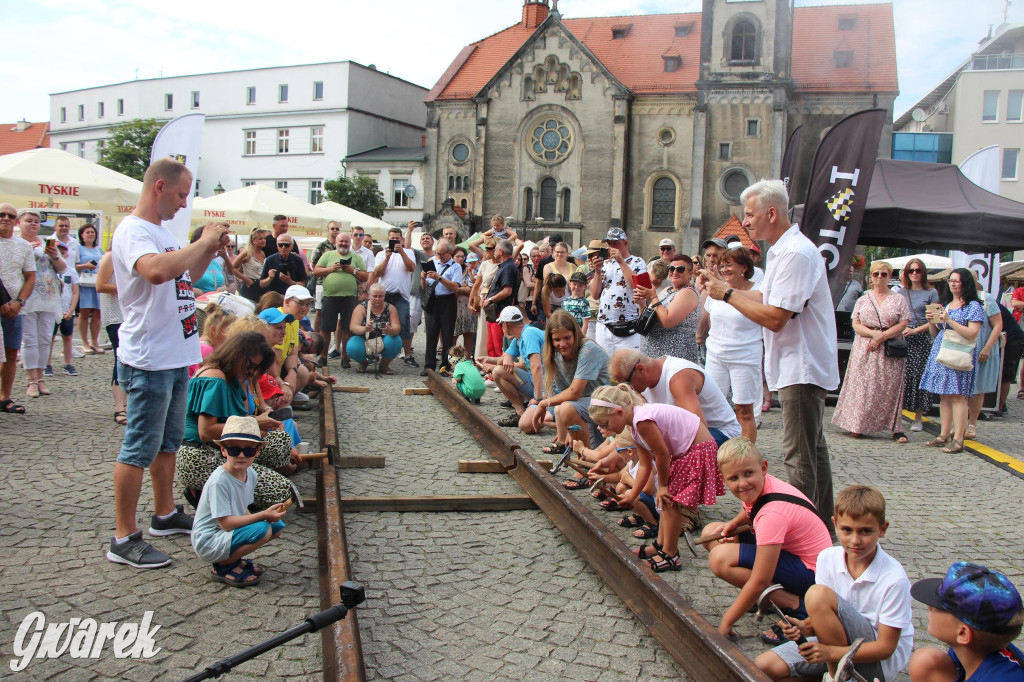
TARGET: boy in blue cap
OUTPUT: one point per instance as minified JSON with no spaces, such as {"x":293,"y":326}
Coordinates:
{"x":978,"y":612}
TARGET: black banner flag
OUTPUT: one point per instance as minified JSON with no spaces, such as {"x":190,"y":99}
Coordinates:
{"x":789,"y":158}
{"x":837,"y":191}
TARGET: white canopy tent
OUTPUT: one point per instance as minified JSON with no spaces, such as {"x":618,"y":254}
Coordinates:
{"x":256,"y":205}
{"x":930,"y":260}
{"x":349,"y":217}
{"x":51,"y":178}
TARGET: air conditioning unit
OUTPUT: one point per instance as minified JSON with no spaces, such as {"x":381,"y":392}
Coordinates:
{"x":942,"y":108}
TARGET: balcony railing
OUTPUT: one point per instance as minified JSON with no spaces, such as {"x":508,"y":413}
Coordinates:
{"x":990,"y":62}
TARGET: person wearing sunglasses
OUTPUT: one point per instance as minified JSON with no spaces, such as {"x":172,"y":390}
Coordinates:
{"x":225,"y":386}
{"x":918,"y":293}
{"x":18,"y":278}
{"x":225,"y":531}
{"x":284,"y":268}
{"x":872,"y":395}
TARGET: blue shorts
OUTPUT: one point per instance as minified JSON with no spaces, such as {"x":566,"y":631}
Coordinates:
{"x":253,"y":533}
{"x":526,"y":386}
{"x":156,"y":412}
{"x":649,"y":502}
{"x":718,"y":436}
{"x":12,"y":331}
{"x":790,"y":572}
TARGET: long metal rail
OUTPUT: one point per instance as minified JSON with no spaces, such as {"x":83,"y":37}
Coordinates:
{"x":697,"y":646}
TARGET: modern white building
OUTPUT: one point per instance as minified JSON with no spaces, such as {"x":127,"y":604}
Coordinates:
{"x":289,"y":127}
{"x":978,"y":105}
{"x":398,"y":172}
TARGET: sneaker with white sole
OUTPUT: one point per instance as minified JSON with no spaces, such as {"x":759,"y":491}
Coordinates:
{"x":76,"y":352}
{"x":489,"y":383}
{"x":70,"y":370}
{"x":917,"y":426}
{"x":178,"y":522}
{"x":48,"y":372}
{"x":137,"y":552}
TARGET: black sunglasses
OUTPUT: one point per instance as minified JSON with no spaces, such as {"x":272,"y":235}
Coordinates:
{"x":677,"y":268}
{"x":12,"y":216}
{"x":914,"y":270}
{"x":285,"y":245}
{"x":235,"y":451}
{"x":632,"y":372}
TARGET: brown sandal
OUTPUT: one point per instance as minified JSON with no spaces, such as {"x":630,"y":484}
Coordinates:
{"x":937,"y":441}
{"x":954,"y":447}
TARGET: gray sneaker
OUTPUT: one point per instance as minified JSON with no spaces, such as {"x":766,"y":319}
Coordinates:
{"x":137,"y":552}
{"x":180,"y":522}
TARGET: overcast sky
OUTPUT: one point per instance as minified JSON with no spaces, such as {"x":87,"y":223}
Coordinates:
{"x":58,"y":45}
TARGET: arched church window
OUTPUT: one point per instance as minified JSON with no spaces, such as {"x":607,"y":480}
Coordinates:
{"x":663,"y":205}
{"x":548,"y":199}
{"x":744,"y":42}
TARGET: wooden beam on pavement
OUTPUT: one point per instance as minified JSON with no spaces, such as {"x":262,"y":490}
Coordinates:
{"x":417,"y":391}
{"x":360,"y":461}
{"x":438,"y":503}
{"x":350,"y":389}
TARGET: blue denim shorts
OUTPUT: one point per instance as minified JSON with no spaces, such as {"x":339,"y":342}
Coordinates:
{"x":12,"y":327}
{"x":156,"y":412}
{"x":790,"y":571}
{"x":253,"y":532}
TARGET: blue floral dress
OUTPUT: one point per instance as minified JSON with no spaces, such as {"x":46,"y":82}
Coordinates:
{"x":942,"y":380}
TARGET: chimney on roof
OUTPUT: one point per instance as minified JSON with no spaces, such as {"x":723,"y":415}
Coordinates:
{"x":534,"y":12}
{"x":22,"y":126}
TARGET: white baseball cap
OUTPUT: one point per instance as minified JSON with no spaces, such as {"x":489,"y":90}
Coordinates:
{"x":298,"y":292}
{"x":510,"y":314}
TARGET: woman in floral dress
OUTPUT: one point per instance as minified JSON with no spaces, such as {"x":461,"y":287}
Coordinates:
{"x":872,"y":395}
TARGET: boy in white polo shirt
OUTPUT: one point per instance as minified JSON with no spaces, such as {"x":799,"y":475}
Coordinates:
{"x":859,"y":592}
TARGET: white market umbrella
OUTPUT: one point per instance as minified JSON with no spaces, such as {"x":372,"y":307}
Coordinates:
{"x":350,"y":217}
{"x":256,"y":205}
{"x":51,"y":178}
{"x":930,"y":260}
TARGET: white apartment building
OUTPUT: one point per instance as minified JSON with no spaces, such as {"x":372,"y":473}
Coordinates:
{"x":978,"y":105}
{"x":398,"y":172}
{"x":289,"y":127}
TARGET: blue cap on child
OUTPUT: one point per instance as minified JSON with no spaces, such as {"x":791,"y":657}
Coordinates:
{"x":979,"y":596}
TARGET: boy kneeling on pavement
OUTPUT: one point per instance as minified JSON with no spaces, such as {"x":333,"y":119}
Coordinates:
{"x":859,"y":592}
{"x":976,"y":611}
{"x":224,"y":531}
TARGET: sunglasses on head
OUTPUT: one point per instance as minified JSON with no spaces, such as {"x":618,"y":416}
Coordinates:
{"x":236,"y":451}
{"x":677,"y":268}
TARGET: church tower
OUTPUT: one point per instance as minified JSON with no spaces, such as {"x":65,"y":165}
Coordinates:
{"x":743,"y":94}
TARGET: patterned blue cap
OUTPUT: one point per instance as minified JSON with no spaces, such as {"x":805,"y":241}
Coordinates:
{"x":979,"y":596}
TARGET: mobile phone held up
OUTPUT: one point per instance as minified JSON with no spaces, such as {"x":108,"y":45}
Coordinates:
{"x":643,"y":280}
{"x":393,"y":244}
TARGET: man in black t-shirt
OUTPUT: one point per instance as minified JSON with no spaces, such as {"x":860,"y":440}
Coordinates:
{"x":505,"y":286}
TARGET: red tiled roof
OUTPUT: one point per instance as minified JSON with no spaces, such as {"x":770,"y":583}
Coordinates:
{"x":33,"y":137}
{"x":733,"y":227}
{"x":636,"y":60}
{"x":872,"y":39}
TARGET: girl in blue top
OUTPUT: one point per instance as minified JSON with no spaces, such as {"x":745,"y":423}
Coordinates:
{"x":89,"y":254}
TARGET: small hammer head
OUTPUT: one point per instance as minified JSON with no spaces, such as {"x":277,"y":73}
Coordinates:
{"x":844,"y":668}
{"x":689,"y":542}
{"x":764,"y":603}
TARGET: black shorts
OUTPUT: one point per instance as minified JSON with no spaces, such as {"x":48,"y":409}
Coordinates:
{"x":1011,"y":355}
{"x":335,"y":308}
{"x":66,"y":327}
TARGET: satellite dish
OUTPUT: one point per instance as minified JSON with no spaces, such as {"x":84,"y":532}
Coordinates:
{"x":409,"y":191}
{"x":918,"y":114}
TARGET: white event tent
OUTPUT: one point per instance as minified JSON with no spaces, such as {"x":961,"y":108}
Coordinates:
{"x":256,"y":205}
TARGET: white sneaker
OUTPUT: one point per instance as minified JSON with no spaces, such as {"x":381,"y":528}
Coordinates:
{"x":489,"y":383}
{"x":917,"y":426}
{"x":75,"y":353}
{"x":497,"y":390}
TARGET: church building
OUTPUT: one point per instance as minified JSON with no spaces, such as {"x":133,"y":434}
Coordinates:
{"x":652,"y":123}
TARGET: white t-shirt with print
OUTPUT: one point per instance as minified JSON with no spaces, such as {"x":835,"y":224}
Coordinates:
{"x":616,"y":299}
{"x":160,"y":330}
{"x":16,"y":258}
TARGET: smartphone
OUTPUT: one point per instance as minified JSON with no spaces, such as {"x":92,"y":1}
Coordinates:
{"x":345,"y":261}
{"x":935,"y":308}
{"x":281,"y":413}
{"x":50,"y":241}
{"x":603,"y":253}
{"x":643,"y":280}
{"x":429,"y":266}
{"x":418,"y":223}
{"x":393,"y":243}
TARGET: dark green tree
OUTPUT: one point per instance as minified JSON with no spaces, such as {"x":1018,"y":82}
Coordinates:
{"x":359,"y":192}
{"x":129,"y":145}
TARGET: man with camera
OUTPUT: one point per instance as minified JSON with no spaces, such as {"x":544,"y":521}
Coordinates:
{"x":393,"y":268}
{"x":284,"y":269}
{"x":440,"y":278}
{"x":614,"y":269}
{"x":341,"y":272}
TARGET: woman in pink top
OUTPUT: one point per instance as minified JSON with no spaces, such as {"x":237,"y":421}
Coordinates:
{"x":682,"y":449}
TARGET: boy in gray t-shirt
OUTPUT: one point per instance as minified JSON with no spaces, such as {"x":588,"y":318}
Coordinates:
{"x":224,"y":531}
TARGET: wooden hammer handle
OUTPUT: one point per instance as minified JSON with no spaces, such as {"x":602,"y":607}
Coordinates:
{"x":313,"y":455}
{"x":718,"y":536}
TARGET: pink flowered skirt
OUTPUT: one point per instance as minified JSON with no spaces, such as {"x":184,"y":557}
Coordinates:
{"x":694,"y":477}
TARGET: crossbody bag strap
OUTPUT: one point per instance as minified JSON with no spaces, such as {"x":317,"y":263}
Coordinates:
{"x":780,"y":497}
{"x":879,"y":313}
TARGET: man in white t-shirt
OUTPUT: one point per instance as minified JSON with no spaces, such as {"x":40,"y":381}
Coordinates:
{"x":799,"y":323}
{"x":679,"y":382}
{"x":394,"y":267}
{"x":159,"y":339}
{"x":18,"y":274}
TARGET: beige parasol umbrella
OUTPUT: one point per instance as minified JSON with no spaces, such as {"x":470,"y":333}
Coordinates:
{"x":51,"y":178}
{"x":256,"y":205}
{"x":349,"y":217}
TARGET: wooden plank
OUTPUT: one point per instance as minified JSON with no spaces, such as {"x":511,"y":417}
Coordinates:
{"x":489,"y":466}
{"x":341,"y":647}
{"x":350,"y":389}
{"x":417,"y":391}
{"x":438,"y":503}
{"x":360,"y":462}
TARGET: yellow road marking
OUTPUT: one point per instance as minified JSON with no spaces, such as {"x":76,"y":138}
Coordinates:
{"x":983,"y":450}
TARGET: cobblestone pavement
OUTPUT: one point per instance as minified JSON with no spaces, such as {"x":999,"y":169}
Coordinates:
{"x":449,"y":596}
{"x":57,"y":507}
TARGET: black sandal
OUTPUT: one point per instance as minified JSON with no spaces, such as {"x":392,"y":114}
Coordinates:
{"x":777,"y":638}
{"x":121,"y":418}
{"x":11,"y":407}
{"x":611,"y":505}
{"x":553,"y":448}
{"x":631,"y":521}
{"x":235,"y":574}
{"x":575,"y":484}
{"x":641,"y":551}
{"x":645,"y":532}
{"x":662,"y":562}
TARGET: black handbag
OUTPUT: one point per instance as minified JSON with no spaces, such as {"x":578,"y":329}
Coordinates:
{"x":648,"y":319}
{"x":894,"y":348}
{"x":429,"y":294}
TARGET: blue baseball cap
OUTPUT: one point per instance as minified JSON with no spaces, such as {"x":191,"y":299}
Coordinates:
{"x":273,"y":316}
{"x":977,"y":595}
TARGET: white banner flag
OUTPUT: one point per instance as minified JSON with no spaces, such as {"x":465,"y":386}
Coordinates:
{"x":982,"y":168}
{"x":180,"y":139}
